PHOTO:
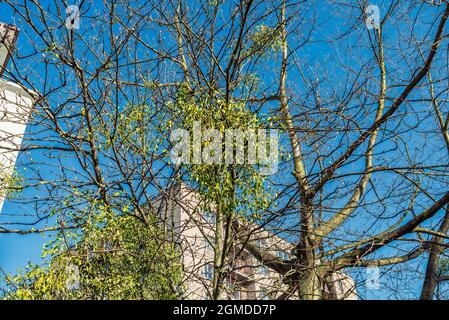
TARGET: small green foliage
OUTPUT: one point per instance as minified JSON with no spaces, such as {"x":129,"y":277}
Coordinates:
{"x":444,"y":267}
{"x":215,"y":3}
{"x":265,"y":39}
{"x":9,"y":183}
{"x":231,"y":188}
{"x":116,"y":257}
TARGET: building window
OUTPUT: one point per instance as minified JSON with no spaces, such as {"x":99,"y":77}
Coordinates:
{"x":263,"y":270}
{"x":208,"y":271}
{"x":283,"y":255}
{"x":209,"y":216}
{"x":237,"y":294}
{"x":261,"y":243}
{"x":263,"y":294}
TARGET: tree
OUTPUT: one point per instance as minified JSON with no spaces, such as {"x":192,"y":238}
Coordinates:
{"x":362,"y":178}
{"x":109,"y":258}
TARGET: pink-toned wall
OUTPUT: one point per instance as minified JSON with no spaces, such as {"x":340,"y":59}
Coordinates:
{"x":248,"y":279}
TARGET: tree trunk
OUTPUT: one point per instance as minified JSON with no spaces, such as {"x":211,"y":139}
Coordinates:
{"x":431,"y":278}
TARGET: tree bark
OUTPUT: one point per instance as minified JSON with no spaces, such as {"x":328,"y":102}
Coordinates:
{"x":431,"y":278}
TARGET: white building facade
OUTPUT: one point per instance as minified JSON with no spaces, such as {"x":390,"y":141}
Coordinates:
{"x":15,"y":109}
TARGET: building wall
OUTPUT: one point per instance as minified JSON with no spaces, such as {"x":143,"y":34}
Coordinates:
{"x":247,"y":279}
{"x":15,"y":110}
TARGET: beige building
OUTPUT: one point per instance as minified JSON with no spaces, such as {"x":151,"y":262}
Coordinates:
{"x":192,"y":229}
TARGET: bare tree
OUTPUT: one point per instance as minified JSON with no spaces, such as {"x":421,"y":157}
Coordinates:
{"x":362,"y":179}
